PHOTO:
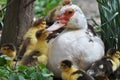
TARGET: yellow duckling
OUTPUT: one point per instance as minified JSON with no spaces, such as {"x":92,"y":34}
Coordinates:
{"x":39,"y":54}
{"x":69,"y":72}
{"x":42,"y":46}
{"x":102,"y":69}
{"x":10,"y":50}
{"x":29,"y":39}
{"x":30,"y":60}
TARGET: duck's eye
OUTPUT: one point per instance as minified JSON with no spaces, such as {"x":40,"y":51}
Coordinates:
{"x":57,"y":22}
{"x":70,"y":12}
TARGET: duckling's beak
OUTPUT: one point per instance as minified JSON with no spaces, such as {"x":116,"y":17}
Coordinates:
{"x":57,"y":25}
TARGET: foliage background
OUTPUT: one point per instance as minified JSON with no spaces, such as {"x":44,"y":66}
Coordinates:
{"x":20,"y":72}
{"x":42,"y":7}
{"x":2,"y":11}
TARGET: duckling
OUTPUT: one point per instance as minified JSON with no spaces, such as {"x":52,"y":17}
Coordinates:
{"x":103,"y":68}
{"x":42,"y":46}
{"x":116,"y":74}
{"x":29,"y":39}
{"x":69,"y":72}
{"x":30,"y":60}
{"x":10,"y":50}
{"x":110,"y":52}
{"x":39,"y":54}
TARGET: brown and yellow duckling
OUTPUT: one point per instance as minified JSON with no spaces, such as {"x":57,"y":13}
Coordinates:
{"x":103,"y":68}
{"x":42,"y":46}
{"x":69,"y":72}
{"x":30,"y":60}
{"x":39,"y":54}
{"x":10,"y":50}
{"x":29,"y":39}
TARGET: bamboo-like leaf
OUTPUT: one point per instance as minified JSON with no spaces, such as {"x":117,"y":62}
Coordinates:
{"x":110,"y":22}
{"x":113,"y":17}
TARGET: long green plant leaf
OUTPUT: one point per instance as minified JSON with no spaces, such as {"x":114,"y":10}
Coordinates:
{"x":110,"y":22}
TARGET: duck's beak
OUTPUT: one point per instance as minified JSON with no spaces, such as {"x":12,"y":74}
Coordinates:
{"x":57,"y":25}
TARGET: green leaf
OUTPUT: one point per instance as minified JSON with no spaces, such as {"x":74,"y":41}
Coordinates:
{"x":13,"y":76}
{"x":42,"y":7}
{"x":5,"y":57}
{"x":21,"y":77}
{"x":22,"y":67}
{"x":110,"y":22}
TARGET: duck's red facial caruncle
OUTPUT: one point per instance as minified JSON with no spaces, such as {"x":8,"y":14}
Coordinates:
{"x":62,"y":19}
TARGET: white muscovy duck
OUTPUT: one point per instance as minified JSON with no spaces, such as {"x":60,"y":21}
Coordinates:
{"x":75,"y":43}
